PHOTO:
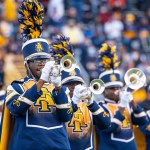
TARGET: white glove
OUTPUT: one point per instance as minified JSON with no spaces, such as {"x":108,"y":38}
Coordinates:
{"x":55,"y":75}
{"x":46,"y":70}
{"x":75,"y":97}
{"x":125,"y":98}
{"x":55,"y":71}
{"x":82,"y":93}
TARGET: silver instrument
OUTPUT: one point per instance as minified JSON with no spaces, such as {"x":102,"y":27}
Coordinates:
{"x":97,"y":86}
{"x":68,"y":63}
{"x":134,"y":79}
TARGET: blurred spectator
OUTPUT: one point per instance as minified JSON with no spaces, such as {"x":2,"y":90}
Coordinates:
{"x":86,"y":21}
{"x":117,"y":3}
{"x":78,"y":5}
{"x":71,"y":13}
{"x":87,"y":12}
{"x":114,"y":27}
{"x":144,"y":39}
{"x":10,"y":10}
{"x":56,"y":12}
{"x":148,"y":13}
{"x":73,"y":30}
{"x":104,"y":12}
{"x":6,"y":27}
{"x":144,"y":24}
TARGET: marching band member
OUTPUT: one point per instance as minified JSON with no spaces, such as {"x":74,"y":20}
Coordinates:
{"x":145,"y":129}
{"x":120,"y":134}
{"x":38,"y":115}
{"x":80,"y":128}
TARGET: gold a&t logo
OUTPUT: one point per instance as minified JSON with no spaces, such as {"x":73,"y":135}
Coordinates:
{"x":72,"y":73}
{"x":113,"y":77}
{"x":39,"y":47}
{"x":45,"y":102}
{"x":77,"y":121}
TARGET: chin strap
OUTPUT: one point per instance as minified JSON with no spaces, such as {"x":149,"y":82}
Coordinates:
{"x":29,"y":71}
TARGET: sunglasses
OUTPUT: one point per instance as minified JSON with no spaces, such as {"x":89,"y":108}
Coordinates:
{"x":39,"y":60}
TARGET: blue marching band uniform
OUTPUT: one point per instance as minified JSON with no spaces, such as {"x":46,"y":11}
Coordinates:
{"x":37,"y":115}
{"x":47,"y":120}
{"x":80,"y":127}
{"x":119,"y":135}
{"x":36,"y":118}
{"x":146,"y":130}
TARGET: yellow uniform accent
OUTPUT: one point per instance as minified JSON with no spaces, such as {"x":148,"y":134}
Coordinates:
{"x":139,"y":138}
{"x":81,"y":124}
{"x":16,"y":102}
{"x":127,"y":121}
{"x":45,"y":101}
{"x":7,"y":130}
{"x":77,"y":121}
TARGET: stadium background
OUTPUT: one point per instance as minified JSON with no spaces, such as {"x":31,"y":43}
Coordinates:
{"x":88,"y":23}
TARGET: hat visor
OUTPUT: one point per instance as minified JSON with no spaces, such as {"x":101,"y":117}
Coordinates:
{"x":72,"y":80}
{"x":40,"y":57}
{"x":113,"y":86}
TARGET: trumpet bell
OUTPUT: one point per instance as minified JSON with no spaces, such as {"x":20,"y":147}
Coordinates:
{"x":68,"y":63}
{"x":97,"y":86}
{"x":135,"y":78}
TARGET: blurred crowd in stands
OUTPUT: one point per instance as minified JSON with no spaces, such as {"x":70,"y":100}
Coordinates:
{"x":88,"y":23}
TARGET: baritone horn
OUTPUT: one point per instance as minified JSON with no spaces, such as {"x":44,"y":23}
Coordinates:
{"x":97,"y":86}
{"x":135,"y":79}
{"x":68,"y":63}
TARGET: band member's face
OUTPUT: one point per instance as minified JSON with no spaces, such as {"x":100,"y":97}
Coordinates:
{"x":36,"y":66}
{"x":71,"y":86}
{"x":112,"y":94}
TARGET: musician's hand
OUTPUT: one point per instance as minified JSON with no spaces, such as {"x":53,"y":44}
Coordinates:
{"x":46,"y":70}
{"x":125,"y":98}
{"x":55,"y":75}
{"x":82,"y":93}
{"x":75,"y":97}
